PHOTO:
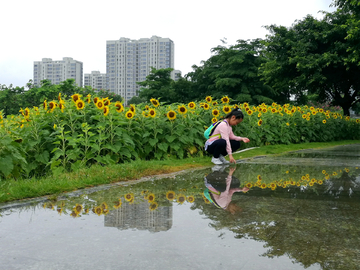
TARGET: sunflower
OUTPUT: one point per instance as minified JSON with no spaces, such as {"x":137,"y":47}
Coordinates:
{"x":96,"y":99}
{"x":214,"y":120}
{"x":226,"y":109}
{"x":192,"y":105}
{"x":129,"y":197}
{"x":304,"y":116}
{"x":98,"y":210}
{"x":259,"y":177}
{"x":287,"y":124}
{"x":151,"y":197}
{"x":62,"y":106}
{"x":171,"y":115}
{"x":106,"y":101}
{"x":100,"y":104}
{"x":117,"y":204}
{"x":206,"y":106}
{"x":88,"y":98}
{"x":155,"y":102}
{"x":119,"y":107}
{"x":249,"y":112}
{"x":324,"y":121}
{"x":249,"y":185}
{"x":182,"y":109}
{"x":260,"y":122}
{"x":132,"y":108}
{"x":170,"y":195}
{"x":106,"y":110}
{"x":78,"y":208}
{"x":215,"y":112}
{"x":225,"y":99}
{"x":152,"y":113}
{"x":75,"y":97}
{"x":264,"y":110}
{"x":129,"y":114}
{"x":74,"y":214}
{"x":190,"y":199}
{"x":52,"y":105}
{"x":104,"y":205}
{"x":181,"y":198}
{"x":153,"y":206}
{"x":208,"y":99}
{"x":59,"y":96}
{"x":80,"y":104}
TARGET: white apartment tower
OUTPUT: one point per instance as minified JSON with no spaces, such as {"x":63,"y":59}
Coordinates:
{"x":96,"y":80}
{"x":58,"y":71}
{"x":130,"y":61}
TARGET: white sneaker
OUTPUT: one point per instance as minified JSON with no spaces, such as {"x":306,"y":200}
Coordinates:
{"x":216,"y":161}
{"x":223,"y":160}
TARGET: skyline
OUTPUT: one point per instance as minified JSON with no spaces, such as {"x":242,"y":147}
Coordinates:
{"x":80,"y":29}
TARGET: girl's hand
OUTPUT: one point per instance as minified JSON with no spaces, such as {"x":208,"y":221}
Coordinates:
{"x":245,"y":140}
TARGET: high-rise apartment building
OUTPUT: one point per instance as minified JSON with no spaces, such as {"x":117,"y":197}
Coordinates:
{"x":96,"y":80}
{"x":130,"y":61}
{"x":58,"y":71}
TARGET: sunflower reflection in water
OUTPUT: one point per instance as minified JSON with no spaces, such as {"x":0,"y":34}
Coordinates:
{"x":220,"y":186}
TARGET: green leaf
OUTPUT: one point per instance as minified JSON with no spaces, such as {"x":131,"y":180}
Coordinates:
{"x":163,"y":146}
{"x":171,"y":138}
{"x":6,"y":165}
{"x":43,"y":157}
{"x":153,"y":141}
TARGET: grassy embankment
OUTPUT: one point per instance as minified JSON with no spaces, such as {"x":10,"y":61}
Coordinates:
{"x":11,"y":190}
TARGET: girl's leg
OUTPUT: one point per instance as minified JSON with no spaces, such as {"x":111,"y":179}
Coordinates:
{"x":217,"y":148}
{"x":235,"y":145}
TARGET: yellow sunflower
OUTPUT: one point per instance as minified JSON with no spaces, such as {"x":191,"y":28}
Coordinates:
{"x":106,"y":101}
{"x":100,"y":104}
{"x":214,"y":120}
{"x":79,"y":104}
{"x":88,"y":98}
{"x":155,"y":102}
{"x":78,"y":208}
{"x":151,"y":197}
{"x":208,"y":99}
{"x":170,"y":195}
{"x":117,"y":204}
{"x":132,"y":108}
{"x":98,"y":210}
{"x":119,"y":107}
{"x":96,"y":99}
{"x":190,"y":199}
{"x":324,"y":121}
{"x":192,"y":105}
{"x":182,"y":109}
{"x":181,"y":198}
{"x":206,"y":106}
{"x":52,"y":105}
{"x":171,"y":115}
{"x":215,"y":113}
{"x":75,"y":97}
{"x":129,"y":114}
{"x":129,"y":197}
{"x":153,"y":206}
{"x":226,"y":109}
{"x":106,"y":110}
{"x":225,"y":99}
{"x":152,"y":113}
{"x":260,"y":122}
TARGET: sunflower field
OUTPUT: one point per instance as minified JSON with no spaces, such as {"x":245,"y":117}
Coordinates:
{"x":74,"y":132}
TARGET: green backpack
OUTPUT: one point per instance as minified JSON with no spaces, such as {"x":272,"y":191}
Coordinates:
{"x":211,"y":129}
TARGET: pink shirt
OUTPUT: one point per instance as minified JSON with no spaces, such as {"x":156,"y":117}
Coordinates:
{"x":225,"y":130}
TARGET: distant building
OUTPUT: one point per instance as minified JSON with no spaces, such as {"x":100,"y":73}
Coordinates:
{"x":130,"y":61}
{"x":58,"y":71}
{"x":96,"y":80}
{"x":175,"y":75}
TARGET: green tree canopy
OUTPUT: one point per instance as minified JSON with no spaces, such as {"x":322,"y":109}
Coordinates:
{"x":312,"y":56}
{"x":233,"y":71}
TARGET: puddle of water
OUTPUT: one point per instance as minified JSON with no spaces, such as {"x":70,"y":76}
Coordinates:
{"x":295,"y":215}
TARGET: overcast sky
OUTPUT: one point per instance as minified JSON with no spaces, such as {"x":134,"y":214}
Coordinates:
{"x":36,"y":29}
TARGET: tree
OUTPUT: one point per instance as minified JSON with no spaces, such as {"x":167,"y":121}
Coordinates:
{"x":312,"y":56}
{"x":158,"y":84}
{"x":233,"y":71}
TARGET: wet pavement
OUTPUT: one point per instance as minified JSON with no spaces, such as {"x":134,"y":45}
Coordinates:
{"x":295,"y":211}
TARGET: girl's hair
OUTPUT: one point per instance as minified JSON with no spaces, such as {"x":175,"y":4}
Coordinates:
{"x":237,"y":113}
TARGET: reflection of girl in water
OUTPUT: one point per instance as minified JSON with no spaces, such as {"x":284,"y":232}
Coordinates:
{"x":220,"y":187}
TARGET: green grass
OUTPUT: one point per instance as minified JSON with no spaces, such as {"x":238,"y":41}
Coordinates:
{"x":11,"y":190}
